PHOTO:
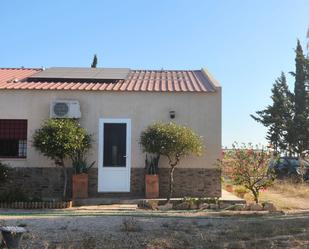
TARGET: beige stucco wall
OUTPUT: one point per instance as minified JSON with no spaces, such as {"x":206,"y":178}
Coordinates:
{"x":200,"y":111}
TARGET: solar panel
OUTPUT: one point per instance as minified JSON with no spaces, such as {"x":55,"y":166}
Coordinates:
{"x":82,"y":73}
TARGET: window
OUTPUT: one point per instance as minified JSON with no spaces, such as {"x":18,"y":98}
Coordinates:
{"x":115,"y":145}
{"x":13,"y":138}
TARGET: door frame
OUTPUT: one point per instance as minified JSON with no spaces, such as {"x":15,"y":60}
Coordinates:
{"x":101,"y":170}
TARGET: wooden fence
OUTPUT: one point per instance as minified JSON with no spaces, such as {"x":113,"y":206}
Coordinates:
{"x":37,"y":205}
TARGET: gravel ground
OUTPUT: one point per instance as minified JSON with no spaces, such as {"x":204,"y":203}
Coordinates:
{"x":103,"y":231}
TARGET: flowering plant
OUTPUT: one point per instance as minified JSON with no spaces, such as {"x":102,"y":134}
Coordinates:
{"x":248,"y":166}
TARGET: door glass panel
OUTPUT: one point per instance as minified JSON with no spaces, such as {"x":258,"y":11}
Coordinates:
{"x":115,"y":145}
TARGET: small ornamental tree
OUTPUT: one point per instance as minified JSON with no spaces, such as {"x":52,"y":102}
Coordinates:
{"x":249,"y":167}
{"x":173,"y":141}
{"x":61,"y":139}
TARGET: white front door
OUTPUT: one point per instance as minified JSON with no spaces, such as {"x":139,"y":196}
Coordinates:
{"x":114,"y":155}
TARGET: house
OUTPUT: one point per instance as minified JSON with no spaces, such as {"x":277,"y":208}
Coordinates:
{"x":107,"y":101}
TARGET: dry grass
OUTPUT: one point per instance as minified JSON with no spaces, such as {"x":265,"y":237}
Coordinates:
{"x":258,"y":233}
{"x":291,"y":189}
{"x":281,"y":203}
{"x":285,"y":195}
{"x":130,"y":225}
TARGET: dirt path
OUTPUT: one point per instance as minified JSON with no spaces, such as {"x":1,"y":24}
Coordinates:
{"x":103,"y":231}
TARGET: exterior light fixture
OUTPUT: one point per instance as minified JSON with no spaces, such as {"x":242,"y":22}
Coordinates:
{"x":172,"y":114}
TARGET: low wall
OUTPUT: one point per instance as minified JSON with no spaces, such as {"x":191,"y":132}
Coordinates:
{"x":47,"y":183}
{"x":44,"y":183}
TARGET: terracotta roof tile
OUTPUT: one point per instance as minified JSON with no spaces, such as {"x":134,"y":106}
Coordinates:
{"x":96,"y":86}
{"x":68,"y":87}
{"x":89,"y":86}
{"x":137,"y":80}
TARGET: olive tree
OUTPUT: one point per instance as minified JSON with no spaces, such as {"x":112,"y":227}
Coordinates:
{"x":61,"y":139}
{"x":172,"y":141}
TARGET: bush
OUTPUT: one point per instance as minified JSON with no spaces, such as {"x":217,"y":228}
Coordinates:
{"x":241,"y":191}
{"x":198,"y":201}
{"x":173,"y":141}
{"x":4,"y":170}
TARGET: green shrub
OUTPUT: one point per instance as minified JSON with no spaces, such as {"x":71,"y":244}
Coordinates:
{"x":4,"y":170}
{"x":240,"y":191}
{"x":171,"y":140}
{"x":199,"y":201}
{"x":192,"y":201}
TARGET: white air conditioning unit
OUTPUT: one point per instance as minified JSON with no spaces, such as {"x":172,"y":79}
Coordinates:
{"x":65,"y":109}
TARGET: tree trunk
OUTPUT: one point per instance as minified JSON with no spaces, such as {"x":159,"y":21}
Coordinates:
{"x":290,"y":153}
{"x":255,"y":195}
{"x":65,"y":173}
{"x":256,"y":198}
{"x":301,"y":168}
{"x":171,"y":184}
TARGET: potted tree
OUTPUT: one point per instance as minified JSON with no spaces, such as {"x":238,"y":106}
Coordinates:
{"x":80,"y":178}
{"x":172,"y":141}
{"x":152,"y":176}
{"x":77,"y":154}
{"x":62,"y":139}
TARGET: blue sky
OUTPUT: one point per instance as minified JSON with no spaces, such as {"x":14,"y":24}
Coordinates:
{"x":245,"y":44}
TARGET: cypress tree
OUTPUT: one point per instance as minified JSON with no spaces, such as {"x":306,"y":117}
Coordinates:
{"x":287,"y":119}
{"x":94,"y":61}
{"x":276,"y":116}
{"x":307,"y":36}
{"x":307,"y":90}
{"x":301,"y":103}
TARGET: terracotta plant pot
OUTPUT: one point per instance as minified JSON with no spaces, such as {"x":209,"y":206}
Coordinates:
{"x":152,"y":186}
{"x":80,"y":186}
